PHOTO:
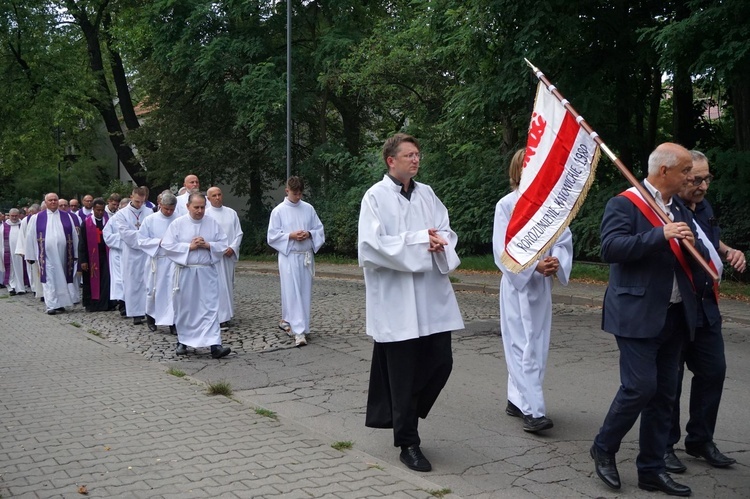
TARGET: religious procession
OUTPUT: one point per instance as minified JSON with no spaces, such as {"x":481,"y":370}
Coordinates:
{"x":425,"y":136}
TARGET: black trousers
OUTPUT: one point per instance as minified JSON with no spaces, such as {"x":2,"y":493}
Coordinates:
{"x":406,"y":379}
{"x":648,"y":377}
{"x":704,"y":357}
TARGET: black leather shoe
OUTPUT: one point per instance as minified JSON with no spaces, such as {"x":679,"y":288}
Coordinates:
{"x":512,"y":410}
{"x":173,"y":329}
{"x":51,"y":312}
{"x":412,"y":457}
{"x":711,"y":454}
{"x":137,"y":321}
{"x":181,"y":349}
{"x":60,"y":310}
{"x":218,"y":351}
{"x":533,"y":425}
{"x":663,"y":483}
{"x":673,"y":463}
{"x":12,"y":292}
{"x":606,"y":467}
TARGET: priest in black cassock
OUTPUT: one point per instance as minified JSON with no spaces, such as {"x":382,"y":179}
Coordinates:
{"x":94,"y":260}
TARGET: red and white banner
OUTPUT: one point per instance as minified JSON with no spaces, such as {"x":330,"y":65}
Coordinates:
{"x":558,"y":169}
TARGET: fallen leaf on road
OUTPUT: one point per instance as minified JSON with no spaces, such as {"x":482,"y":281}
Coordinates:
{"x":83,"y":490}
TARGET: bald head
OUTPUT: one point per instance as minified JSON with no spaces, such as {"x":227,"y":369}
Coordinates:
{"x":191,"y":182}
{"x":215,"y":197}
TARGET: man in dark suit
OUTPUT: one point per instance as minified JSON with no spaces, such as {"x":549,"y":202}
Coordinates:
{"x":650,"y":307}
{"x":704,"y":355}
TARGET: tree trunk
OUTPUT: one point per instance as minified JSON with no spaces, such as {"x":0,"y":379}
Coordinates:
{"x":683,"y":121}
{"x":121,"y":80}
{"x":103,"y":100}
{"x":739,"y":93}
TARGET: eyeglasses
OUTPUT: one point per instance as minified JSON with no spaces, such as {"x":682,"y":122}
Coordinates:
{"x":412,"y":156}
{"x":699,"y":180}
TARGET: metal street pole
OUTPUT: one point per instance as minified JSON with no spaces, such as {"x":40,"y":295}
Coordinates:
{"x":288,"y":88}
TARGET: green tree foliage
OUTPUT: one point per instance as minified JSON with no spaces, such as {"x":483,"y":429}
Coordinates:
{"x":212,"y":76}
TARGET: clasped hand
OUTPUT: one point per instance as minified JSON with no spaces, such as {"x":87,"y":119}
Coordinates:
{"x":437,"y":243}
{"x":548,"y":266}
{"x":199,"y":243}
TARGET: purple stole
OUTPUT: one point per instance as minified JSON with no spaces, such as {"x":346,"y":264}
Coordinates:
{"x":41,"y":232}
{"x":93,"y":236}
{"x":7,"y":253}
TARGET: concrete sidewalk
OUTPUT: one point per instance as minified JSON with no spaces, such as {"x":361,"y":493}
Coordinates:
{"x":85,"y":399}
{"x":78,"y":411}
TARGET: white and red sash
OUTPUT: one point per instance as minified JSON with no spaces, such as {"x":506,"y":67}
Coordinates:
{"x":635,"y":197}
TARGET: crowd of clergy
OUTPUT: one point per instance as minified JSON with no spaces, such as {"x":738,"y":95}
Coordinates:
{"x":145,"y":260}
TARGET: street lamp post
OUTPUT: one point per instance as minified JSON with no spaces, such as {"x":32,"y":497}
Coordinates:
{"x":288,"y":88}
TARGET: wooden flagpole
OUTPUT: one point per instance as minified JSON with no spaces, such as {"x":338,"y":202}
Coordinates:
{"x":686,"y":245}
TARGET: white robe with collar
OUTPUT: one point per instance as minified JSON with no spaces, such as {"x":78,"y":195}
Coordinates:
{"x":296,"y":259}
{"x":230,"y":224}
{"x":56,"y":289}
{"x":111,"y":235}
{"x":133,"y":264}
{"x":408,"y":292}
{"x":196,"y":297}
{"x":526,"y":314}
{"x":31,"y":270}
{"x":15,"y":279}
{"x":159,"y":270}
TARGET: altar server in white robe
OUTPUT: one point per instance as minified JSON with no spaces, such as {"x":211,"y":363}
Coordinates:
{"x":526,"y":312}
{"x":14,"y":265}
{"x":196,"y":244}
{"x":159,"y":271}
{"x":296,"y":232}
{"x":112,"y":239}
{"x":133,"y":263}
{"x":52,"y":241}
{"x":407,"y":249}
{"x":32,"y":270}
{"x":230,"y":224}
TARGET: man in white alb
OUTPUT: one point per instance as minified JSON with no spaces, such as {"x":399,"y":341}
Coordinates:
{"x":190,"y":184}
{"x":230,"y":224}
{"x":296,"y":232}
{"x":14,"y":280}
{"x":196,"y":244}
{"x":52,"y":240}
{"x":128,"y":222}
{"x":159,"y":270}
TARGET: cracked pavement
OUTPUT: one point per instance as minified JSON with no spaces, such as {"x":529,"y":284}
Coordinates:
{"x":476,"y":450}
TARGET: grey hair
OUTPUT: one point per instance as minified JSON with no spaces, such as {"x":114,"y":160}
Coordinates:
{"x":698,"y":156}
{"x":661,"y":156}
{"x":168,"y":199}
{"x":14,"y":211}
